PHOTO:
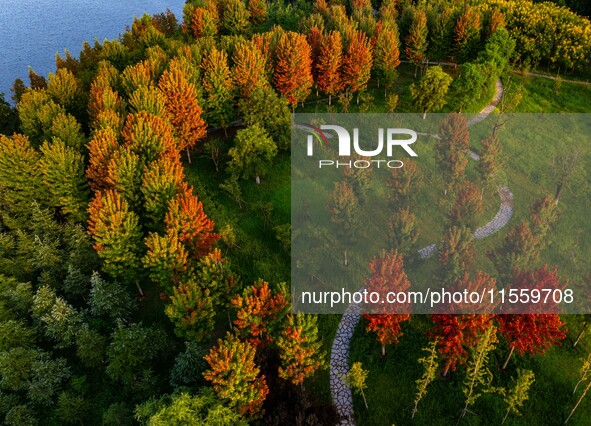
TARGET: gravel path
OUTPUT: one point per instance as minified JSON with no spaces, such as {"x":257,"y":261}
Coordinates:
{"x":339,"y":356}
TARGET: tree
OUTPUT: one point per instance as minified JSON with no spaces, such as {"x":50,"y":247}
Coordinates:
{"x":566,"y":167}
{"x":271,"y":112}
{"x":299,"y":348}
{"x":328,"y":66}
{"x":387,"y":275}
{"x":189,"y":366}
{"x":357,"y":63}
{"x":149,"y":136}
{"x":101,"y":149}
{"x":293,"y":69}
{"x":416,"y":40}
{"x":37,"y":81}
{"x":467,"y":33}
{"x":456,"y":253}
{"x":8,"y":117}
{"x":218,"y":87}
{"x":452,"y":149}
{"x":204,"y":22}
{"x":18,"y":89}
{"x":186,"y":217}
{"x":20,"y":176}
{"x":234,"y":17}
{"x":518,"y":394}
{"x":430,"y":93}
{"x":163,"y":179}
{"x":61,"y":322}
{"x":249,"y":68}
{"x":467,"y":206}
{"x":356,"y":380}
{"x":165,"y":258}
{"x":429,"y":363}
{"x":583,"y":394}
{"x":65,"y":127}
{"x":533,"y":332}
{"x":344,"y":213}
{"x":257,"y":10}
{"x":149,"y":99}
{"x":252,"y":154}
{"x":403,"y":234}
{"x":519,"y":250}
{"x":63,"y":178}
{"x":182,"y":106}
{"x":478,"y":375}
{"x":184,"y":408}
{"x":491,"y":159}
{"x":131,"y":354}
{"x":386,"y":45}
{"x":403,"y":184}
{"x":117,"y":235}
{"x":260,"y":313}
{"x":191,"y":310}
{"x":235,"y":377}
{"x":544,"y":214}
{"x":63,"y":88}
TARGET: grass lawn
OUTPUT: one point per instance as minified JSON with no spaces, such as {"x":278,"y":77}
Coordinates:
{"x":391,"y":384}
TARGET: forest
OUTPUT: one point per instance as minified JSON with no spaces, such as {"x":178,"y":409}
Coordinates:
{"x":145,"y":219}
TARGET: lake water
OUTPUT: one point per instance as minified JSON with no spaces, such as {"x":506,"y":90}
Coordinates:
{"x":32,"y":31}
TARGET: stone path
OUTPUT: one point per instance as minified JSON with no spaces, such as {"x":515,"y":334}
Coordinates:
{"x":339,"y":355}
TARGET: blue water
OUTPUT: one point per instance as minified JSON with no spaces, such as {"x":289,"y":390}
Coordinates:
{"x":32,"y":31}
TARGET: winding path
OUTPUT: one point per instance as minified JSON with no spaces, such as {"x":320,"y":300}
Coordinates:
{"x":339,"y":356}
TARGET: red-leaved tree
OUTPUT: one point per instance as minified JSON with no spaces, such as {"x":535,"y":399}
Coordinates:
{"x":387,"y":275}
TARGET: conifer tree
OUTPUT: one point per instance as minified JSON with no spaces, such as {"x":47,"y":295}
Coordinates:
{"x":293,"y":70}
{"x":416,"y":40}
{"x":430,"y":365}
{"x":299,"y":348}
{"x":182,"y":106}
{"x":117,"y":235}
{"x":218,"y":87}
{"x":518,"y":394}
{"x":249,"y":68}
{"x":328,"y":66}
{"x":260,"y":313}
{"x":356,"y":379}
{"x":235,"y":377}
{"x":192,"y":310}
{"x":62,"y":169}
{"x":357,"y":62}
{"x":386,"y":53}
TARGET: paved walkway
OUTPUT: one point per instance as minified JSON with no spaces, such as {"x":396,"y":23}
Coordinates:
{"x":339,"y":355}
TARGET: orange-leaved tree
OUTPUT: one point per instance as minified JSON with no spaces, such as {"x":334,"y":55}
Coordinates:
{"x":387,"y":275}
{"x":235,"y":377}
{"x":182,"y":106}
{"x":293,"y":70}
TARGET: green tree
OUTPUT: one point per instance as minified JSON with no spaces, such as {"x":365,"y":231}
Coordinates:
{"x":299,"y":348}
{"x":518,"y":394}
{"x":132,"y":353}
{"x":117,"y":235}
{"x":416,"y":40}
{"x":235,"y":17}
{"x":430,"y":93}
{"x":183,"y":408}
{"x":403,"y":234}
{"x":478,"y":375}
{"x":219,"y":88}
{"x":270,"y":111}
{"x":356,"y":379}
{"x":63,"y":178}
{"x":430,"y":365}
{"x":109,"y":298}
{"x":252,"y":154}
